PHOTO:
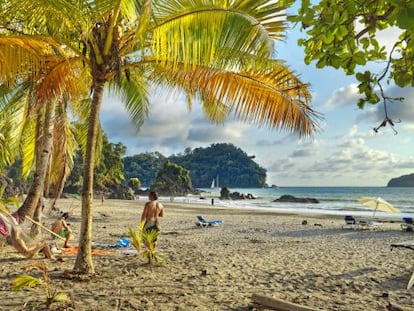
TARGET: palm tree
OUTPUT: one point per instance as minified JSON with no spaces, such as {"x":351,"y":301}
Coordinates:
{"x":219,"y":52}
{"x":28,"y":120}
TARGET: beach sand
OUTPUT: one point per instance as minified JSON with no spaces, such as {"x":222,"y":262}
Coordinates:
{"x":317,"y":265}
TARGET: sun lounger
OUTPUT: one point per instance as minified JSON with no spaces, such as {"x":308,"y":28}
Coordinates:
{"x":352,"y":223}
{"x":202,"y":222}
{"x":408,"y":224}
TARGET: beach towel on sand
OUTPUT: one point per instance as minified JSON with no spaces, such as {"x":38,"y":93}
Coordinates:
{"x":121,"y":243}
{"x":74,"y":250}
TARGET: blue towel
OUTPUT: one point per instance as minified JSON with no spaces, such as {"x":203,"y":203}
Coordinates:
{"x":122,"y":242}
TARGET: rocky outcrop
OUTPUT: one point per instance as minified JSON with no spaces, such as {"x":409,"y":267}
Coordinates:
{"x":122,"y":193}
{"x":402,"y":181}
{"x":291,"y":198}
{"x":225,"y":194}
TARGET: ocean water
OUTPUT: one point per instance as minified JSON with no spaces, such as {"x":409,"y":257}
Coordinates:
{"x":332,"y":200}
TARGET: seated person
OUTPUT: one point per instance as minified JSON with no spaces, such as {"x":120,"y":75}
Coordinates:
{"x":61,"y":228}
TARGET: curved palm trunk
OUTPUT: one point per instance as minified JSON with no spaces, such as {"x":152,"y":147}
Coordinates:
{"x":37,"y":216}
{"x":36,"y":189}
{"x":84,"y":264}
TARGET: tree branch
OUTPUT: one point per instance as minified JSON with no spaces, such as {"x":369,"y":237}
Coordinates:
{"x":372,"y":21}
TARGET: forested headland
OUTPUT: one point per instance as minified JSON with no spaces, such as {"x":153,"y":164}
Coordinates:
{"x":224,"y":163}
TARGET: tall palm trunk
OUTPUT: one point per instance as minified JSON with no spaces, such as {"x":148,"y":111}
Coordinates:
{"x":41,"y":118}
{"x":83,"y":263}
{"x":36,"y":189}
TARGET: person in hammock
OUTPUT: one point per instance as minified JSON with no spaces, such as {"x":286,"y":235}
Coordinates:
{"x":20,"y":245}
{"x":16,"y":240}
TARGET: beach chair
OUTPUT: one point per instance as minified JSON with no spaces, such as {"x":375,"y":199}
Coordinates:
{"x":408,"y":224}
{"x":352,"y":223}
{"x":202,"y":222}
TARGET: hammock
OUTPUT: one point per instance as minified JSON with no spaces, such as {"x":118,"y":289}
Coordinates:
{"x":20,"y":245}
{"x":17,"y":237}
{"x":5,"y":225}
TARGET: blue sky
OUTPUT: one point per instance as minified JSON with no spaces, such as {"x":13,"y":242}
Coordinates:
{"x":346,"y":152}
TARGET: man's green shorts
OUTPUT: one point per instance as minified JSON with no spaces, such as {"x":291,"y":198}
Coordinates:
{"x":63,"y":233}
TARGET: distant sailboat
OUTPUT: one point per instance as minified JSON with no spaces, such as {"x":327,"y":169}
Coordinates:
{"x":215,"y":183}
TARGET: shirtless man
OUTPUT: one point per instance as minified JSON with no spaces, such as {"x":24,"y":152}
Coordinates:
{"x":61,"y":228}
{"x":152,"y":211}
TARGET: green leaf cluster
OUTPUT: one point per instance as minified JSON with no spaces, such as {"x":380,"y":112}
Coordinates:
{"x":143,"y":166}
{"x":172,"y":178}
{"x":134,"y":183}
{"x":109,"y":171}
{"x":344,"y":35}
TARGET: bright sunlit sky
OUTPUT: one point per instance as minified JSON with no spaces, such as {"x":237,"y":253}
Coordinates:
{"x":346,"y":152}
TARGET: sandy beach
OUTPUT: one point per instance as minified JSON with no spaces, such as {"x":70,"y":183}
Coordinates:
{"x":318,"y":265}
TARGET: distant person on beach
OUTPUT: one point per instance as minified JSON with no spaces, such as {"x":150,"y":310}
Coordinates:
{"x":152,"y":211}
{"x":61,"y":228}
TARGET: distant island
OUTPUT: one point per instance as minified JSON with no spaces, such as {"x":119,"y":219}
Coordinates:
{"x":402,"y":181}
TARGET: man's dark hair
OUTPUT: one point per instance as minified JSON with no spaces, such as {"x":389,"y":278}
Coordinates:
{"x":153,"y":195}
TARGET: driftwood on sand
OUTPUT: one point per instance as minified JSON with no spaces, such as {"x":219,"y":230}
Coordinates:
{"x":393,"y":306}
{"x":271,"y":303}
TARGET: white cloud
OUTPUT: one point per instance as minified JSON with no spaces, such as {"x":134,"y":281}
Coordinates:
{"x":343,"y":97}
{"x":306,"y":150}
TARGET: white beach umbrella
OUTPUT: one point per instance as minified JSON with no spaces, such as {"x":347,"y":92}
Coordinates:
{"x":378,"y":204}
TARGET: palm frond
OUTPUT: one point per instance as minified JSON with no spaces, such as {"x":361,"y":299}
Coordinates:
{"x":13,"y":113}
{"x":202,"y":32}
{"x":136,"y":236}
{"x":24,"y":281}
{"x":63,"y":150}
{"x":17,"y":52}
{"x":61,"y":79}
{"x":28,"y":146}
{"x":269,"y":96}
{"x":133,"y":93}
{"x":58,"y":17}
